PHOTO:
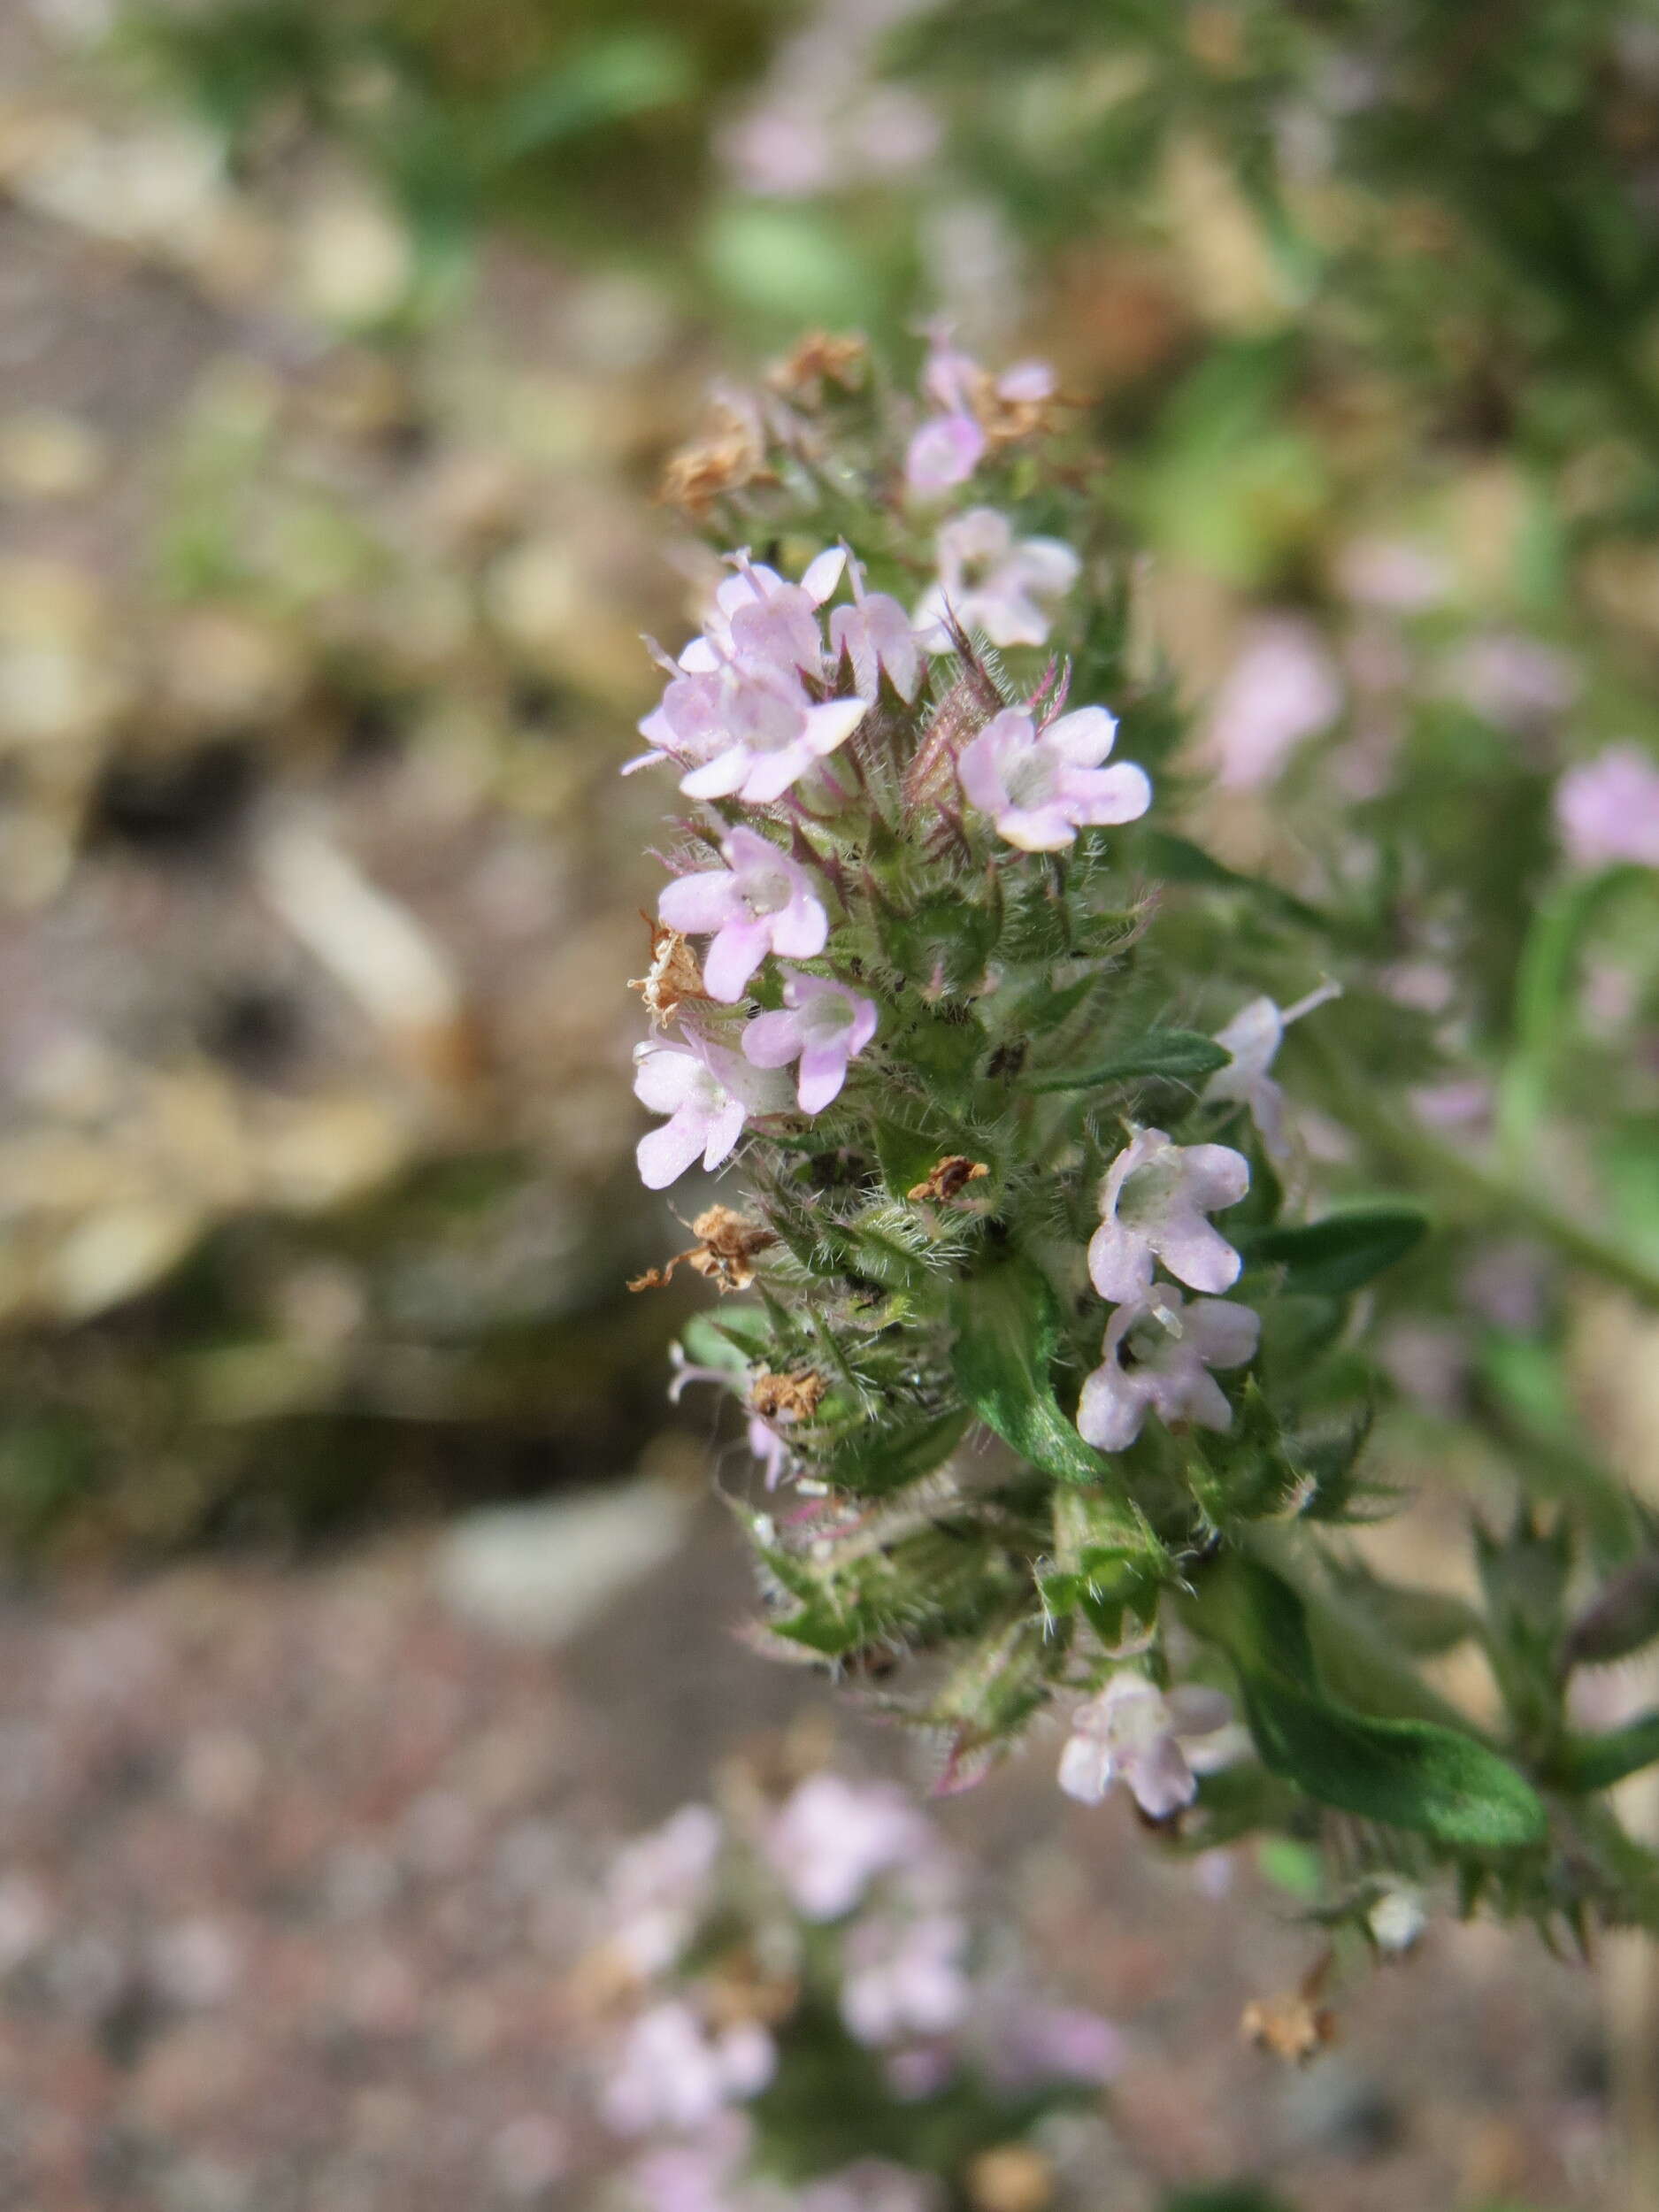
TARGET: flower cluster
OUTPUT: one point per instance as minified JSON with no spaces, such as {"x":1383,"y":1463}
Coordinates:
{"x":786,"y":1948}
{"x":1048,"y":1353}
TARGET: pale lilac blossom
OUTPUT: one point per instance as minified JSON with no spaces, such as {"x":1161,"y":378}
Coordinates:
{"x":1040,"y":786}
{"x":709,"y":1094}
{"x":834,"y":1838}
{"x":951,"y":442}
{"x":762,"y":901}
{"x":905,"y":1978}
{"x":1606,"y":809}
{"x":1282,"y":689}
{"x":875,"y":634}
{"x":1027,"y":2043}
{"x":1518,"y":682}
{"x":1157,"y":1744}
{"x":1170,"y":1344}
{"x":672,"y":2071}
{"x":658,"y":1886}
{"x":768,"y":1447}
{"x":991,"y":582}
{"x":698,"y":2176}
{"x":759,"y":617}
{"x":870,"y":2184}
{"x":1252,"y":1039}
{"x":823,"y":1026}
{"x":1153,"y":1204}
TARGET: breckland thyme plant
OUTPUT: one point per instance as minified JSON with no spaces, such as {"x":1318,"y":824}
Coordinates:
{"x":1050,"y":1355}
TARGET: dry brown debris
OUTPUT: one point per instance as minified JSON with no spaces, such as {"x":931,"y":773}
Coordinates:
{"x":1011,"y":2178}
{"x":1294,"y":2026}
{"x":948,"y":1177}
{"x":673,"y":977}
{"x":794,"y":1397}
{"x":820,"y":358}
{"x":725,"y":1249}
{"x":729,"y":457}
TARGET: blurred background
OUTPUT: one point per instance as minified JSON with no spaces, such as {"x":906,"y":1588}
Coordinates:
{"x":357,"y":1593}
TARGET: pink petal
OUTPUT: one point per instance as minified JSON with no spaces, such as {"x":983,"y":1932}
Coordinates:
{"x":1041,"y":829}
{"x":1104,"y":795}
{"x":1196,"y":1254}
{"x":823,"y":1072}
{"x":663,"y":1080}
{"x":723,"y":1128}
{"x":1222,"y":1335}
{"x":1216,"y":1176}
{"x":801,"y":931}
{"x":734,"y":958}
{"x":770,"y":775}
{"x":1119,"y":1263}
{"x":824,"y":574}
{"x":771,"y":1040}
{"x":833,"y":723}
{"x":1084,"y":737}
{"x":697,"y":902}
{"x":718,"y":779}
{"x":1045,"y":565}
{"x":1161,"y":1780}
{"x":1085,"y":1769}
{"x":943,"y":452}
{"x":1110,"y":1410}
{"x":669,"y":1151}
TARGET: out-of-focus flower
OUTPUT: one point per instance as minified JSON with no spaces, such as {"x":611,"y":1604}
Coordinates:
{"x":707,"y":1094}
{"x":824,"y":1025}
{"x":1153,"y":1205}
{"x":1397,"y":1919}
{"x":1170,"y":1345}
{"x":761,"y":901}
{"x":1040,"y":787}
{"x":872,"y":2184}
{"x":1253,"y":1038}
{"x":1158,"y":1745}
{"x":992,"y":581}
{"x":1393,"y":574}
{"x":1283,"y":688}
{"x":657,"y":1886}
{"x":698,"y":2175}
{"x":673,"y":2073}
{"x":834,"y":1838}
{"x":1513,"y":680}
{"x":905,"y":1978}
{"x":1026,"y":2043}
{"x":760,"y":618}
{"x":1606,"y":809}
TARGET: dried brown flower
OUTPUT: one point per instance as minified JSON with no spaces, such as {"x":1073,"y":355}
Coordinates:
{"x":1011,"y":2178}
{"x":1295,"y":2026}
{"x":948,"y":1177}
{"x":724,"y":1252}
{"x":819,"y":358}
{"x":786,"y":1397}
{"x":730,"y":455}
{"x":674,"y":976}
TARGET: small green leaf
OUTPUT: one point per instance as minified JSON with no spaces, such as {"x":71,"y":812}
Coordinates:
{"x":877,"y":1461}
{"x":1337,"y":1254}
{"x":1174,"y":1055}
{"x":1408,"y":1773}
{"x":1007,"y":1322}
{"x":1596,"y":1762}
{"x":730,"y":1339}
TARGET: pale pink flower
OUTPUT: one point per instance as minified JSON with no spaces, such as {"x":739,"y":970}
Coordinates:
{"x":1157,"y":1744}
{"x":905,"y":1978}
{"x":709,"y":1094}
{"x":658,"y":1885}
{"x":760,"y":618}
{"x":761,"y":901}
{"x":993,"y":582}
{"x":1282,"y":689}
{"x":1606,"y":809}
{"x":1170,"y":1344}
{"x":834,"y":1838}
{"x":768,"y":1447}
{"x":870,"y":2184}
{"x":1153,"y":1204}
{"x":823,"y":1026}
{"x":1517,"y":681}
{"x":698,"y":2176}
{"x":1028,"y":2044}
{"x":1040,"y":787}
{"x":875,"y":634}
{"x":673,"y":2073}
{"x":1393,"y":573}
{"x":1252,"y":1039}
{"x":943,"y":453}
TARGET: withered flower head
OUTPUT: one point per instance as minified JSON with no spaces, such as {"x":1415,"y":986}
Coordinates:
{"x":786,"y":1397}
{"x":725,"y":1250}
{"x":948,"y":1177}
{"x":731,"y":454}
{"x":820,"y":358}
{"x":674,"y":976}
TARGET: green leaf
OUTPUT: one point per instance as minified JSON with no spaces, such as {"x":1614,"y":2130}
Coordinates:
{"x":877,"y":1461}
{"x":1180,"y":861}
{"x":1408,"y":1774}
{"x":1175,"y":1055}
{"x":1589,"y":1763}
{"x":1008,"y":1327}
{"x":738,"y":1335}
{"x":1331,"y":1257}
